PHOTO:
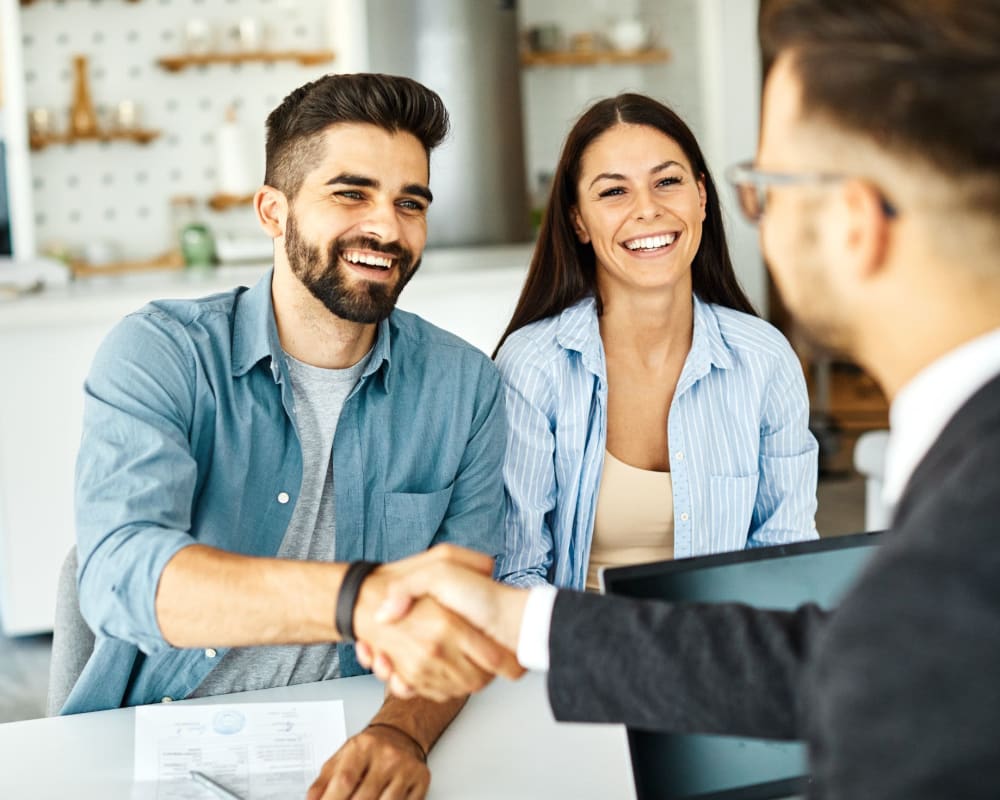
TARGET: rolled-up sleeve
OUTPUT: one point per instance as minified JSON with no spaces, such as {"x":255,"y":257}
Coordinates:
{"x":529,"y":467}
{"x":135,"y":475}
{"x":785,"y":507}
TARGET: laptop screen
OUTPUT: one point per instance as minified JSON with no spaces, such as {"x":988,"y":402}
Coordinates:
{"x":779,"y":577}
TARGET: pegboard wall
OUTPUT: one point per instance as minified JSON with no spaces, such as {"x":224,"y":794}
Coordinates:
{"x":118,"y":193}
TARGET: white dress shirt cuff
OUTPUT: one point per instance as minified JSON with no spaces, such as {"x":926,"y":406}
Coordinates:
{"x":533,"y":641}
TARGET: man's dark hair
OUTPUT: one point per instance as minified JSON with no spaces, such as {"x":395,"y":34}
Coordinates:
{"x":390,"y":102}
{"x":920,"y":77}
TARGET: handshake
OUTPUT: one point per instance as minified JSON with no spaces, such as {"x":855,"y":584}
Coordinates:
{"x":437,"y":625}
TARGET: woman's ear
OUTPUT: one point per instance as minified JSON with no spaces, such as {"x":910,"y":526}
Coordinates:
{"x":702,"y":196}
{"x":578,"y":226}
{"x":271,"y":207}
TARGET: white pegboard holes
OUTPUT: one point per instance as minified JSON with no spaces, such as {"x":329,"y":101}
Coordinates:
{"x":122,"y":41}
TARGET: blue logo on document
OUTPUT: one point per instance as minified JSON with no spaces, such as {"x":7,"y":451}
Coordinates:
{"x":228,"y":722}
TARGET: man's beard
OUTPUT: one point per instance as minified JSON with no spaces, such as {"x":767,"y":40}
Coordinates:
{"x":366,"y":301}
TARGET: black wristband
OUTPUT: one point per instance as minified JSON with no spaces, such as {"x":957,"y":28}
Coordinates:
{"x":347,"y":598}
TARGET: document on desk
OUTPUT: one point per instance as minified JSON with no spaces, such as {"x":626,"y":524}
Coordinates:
{"x":258,"y":751}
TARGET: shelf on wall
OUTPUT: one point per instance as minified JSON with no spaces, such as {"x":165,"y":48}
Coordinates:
{"x":169,"y":260}
{"x":30,"y":2}
{"x":139,"y":136}
{"x":306,"y":58}
{"x":570,"y":58}
{"x":223,"y":202}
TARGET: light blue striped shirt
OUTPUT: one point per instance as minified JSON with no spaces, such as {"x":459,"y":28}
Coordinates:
{"x":742,"y":459}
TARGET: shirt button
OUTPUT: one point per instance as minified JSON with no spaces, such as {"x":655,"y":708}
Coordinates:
{"x":684,"y":517}
{"x":679,"y":455}
{"x":167,"y":700}
{"x":211,"y":652}
{"x":282,"y":497}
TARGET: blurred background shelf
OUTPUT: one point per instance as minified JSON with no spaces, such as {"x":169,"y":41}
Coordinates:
{"x":224,"y":202}
{"x":31,"y":2}
{"x":139,"y":136}
{"x":167,"y":261}
{"x":569,"y":58}
{"x":306,"y":58}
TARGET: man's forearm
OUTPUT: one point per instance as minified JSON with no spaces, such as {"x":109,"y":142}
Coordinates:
{"x":422,"y":720}
{"x":212,"y":598}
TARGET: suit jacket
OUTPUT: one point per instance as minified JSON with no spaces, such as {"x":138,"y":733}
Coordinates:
{"x":897,"y":692}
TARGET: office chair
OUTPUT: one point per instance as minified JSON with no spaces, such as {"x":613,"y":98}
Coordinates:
{"x":869,"y":460}
{"x":72,"y":640}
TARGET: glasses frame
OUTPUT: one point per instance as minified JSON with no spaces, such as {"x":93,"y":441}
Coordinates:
{"x":751,"y":186}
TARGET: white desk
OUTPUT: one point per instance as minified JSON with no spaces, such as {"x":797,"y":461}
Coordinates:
{"x":504,"y":744}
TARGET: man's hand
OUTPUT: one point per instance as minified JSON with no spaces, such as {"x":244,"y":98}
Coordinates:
{"x":380,"y":762}
{"x":433,"y":650}
{"x":450,"y":575}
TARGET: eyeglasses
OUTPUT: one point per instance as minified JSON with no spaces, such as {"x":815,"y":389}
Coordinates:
{"x":752,"y":187}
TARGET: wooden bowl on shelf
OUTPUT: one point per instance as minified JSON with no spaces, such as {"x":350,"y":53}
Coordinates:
{"x":166,"y":261}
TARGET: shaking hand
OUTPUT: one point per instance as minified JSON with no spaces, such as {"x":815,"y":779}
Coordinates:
{"x":460,"y":581}
{"x":425,"y":615}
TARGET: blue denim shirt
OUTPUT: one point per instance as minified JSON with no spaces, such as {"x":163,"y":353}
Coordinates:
{"x":742,"y":460}
{"x":189,"y":436}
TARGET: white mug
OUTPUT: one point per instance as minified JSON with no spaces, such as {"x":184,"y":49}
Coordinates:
{"x":629,"y":34}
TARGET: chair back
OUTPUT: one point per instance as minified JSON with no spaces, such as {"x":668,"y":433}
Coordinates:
{"x":72,"y":639}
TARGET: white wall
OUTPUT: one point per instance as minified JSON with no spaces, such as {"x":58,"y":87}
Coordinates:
{"x":555,"y":96}
{"x":730,"y":83}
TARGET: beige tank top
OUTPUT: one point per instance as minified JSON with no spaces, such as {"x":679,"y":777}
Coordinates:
{"x":634,"y":520}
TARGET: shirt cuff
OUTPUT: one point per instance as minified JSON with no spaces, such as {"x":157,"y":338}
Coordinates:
{"x":533,"y":641}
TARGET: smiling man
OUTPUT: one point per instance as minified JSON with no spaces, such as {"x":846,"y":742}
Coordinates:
{"x":246,"y":456}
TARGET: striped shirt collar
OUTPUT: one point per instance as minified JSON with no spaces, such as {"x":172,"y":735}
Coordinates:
{"x":577,"y":330}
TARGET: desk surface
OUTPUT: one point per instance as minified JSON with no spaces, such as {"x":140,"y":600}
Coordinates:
{"x":504,"y":744}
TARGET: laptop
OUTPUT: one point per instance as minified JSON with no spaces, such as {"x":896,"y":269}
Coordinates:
{"x":704,"y":767}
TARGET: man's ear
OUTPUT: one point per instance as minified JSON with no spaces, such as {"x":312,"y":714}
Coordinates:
{"x":867,"y":228}
{"x":271,"y":207}
{"x":578,"y":228}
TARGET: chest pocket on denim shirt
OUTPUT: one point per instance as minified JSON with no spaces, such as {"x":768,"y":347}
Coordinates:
{"x":730,"y":504}
{"x":412,"y":519}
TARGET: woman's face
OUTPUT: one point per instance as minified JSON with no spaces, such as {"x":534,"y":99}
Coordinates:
{"x":640,"y":207}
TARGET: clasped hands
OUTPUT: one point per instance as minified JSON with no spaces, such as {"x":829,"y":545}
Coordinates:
{"x":437,"y":625}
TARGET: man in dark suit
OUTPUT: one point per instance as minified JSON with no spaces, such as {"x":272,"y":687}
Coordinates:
{"x":877,"y":188}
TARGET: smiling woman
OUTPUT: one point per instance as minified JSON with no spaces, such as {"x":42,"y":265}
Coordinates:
{"x":652,"y":414}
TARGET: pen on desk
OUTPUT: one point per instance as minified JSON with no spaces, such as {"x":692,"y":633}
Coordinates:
{"x":217,"y":788}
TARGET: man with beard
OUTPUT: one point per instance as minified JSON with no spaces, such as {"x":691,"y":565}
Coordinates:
{"x":246,"y":456}
{"x":877,"y":188}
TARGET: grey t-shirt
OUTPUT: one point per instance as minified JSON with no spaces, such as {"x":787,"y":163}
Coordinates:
{"x":319,"y":396}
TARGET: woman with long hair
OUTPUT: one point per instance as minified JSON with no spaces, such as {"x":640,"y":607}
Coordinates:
{"x":652,"y":414}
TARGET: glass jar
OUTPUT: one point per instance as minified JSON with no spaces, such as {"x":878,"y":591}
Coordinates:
{"x":194,"y":237}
